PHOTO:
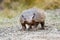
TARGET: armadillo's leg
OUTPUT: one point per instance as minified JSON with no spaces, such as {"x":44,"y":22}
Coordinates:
{"x":36,"y":24}
{"x":42,"y":25}
{"x":30,"y":27}
{"x":23,"y":26}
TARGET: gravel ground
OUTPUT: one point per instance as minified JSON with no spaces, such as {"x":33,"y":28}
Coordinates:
{"x":13,"y":32}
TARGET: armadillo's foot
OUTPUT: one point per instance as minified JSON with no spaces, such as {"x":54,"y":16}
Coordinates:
{"x":23,"y":29}
{"x":32,"y":29}
{"x":35,"y":29}
{"x":42,"y":28}
{"x":29,"y":29}
{"x":45,"y":26}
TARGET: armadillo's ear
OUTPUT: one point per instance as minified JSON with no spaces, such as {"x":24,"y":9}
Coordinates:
{"x":22,"y":16}
{"x":33,"y":15}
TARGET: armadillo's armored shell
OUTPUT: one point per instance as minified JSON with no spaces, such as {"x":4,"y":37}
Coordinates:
{"x":29,"y":13}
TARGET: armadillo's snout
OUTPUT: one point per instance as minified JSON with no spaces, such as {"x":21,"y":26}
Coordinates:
{"x":29,"y":20}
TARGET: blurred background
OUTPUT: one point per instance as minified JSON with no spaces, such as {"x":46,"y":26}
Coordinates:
{"x":10,"y":8}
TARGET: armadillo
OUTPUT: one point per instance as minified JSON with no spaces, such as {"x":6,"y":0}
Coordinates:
{"x":32,"y":17}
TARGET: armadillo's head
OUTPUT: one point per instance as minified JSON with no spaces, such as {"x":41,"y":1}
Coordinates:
{"x":28,"y":18}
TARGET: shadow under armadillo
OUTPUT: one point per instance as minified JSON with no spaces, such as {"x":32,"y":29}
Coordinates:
{"x":37,"y":29}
